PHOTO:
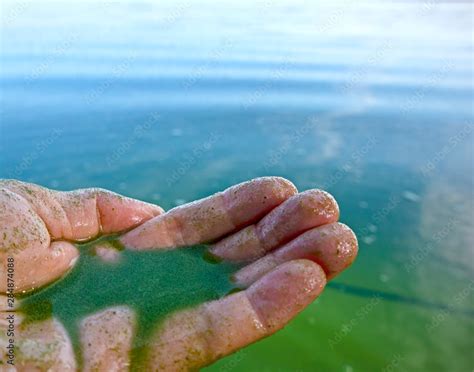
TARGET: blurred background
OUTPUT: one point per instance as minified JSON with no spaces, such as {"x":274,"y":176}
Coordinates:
{"x":172,"y":101}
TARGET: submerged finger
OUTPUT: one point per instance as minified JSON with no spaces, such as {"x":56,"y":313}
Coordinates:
{"x":106,"y":339}
{"x":38,"y":346}
{"x":333,"y":247}
{"x":208,"y":219}
{"x":193,"y":338}
{"x":299,"y":213}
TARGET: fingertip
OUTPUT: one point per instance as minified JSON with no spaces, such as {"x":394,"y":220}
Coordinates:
{"x":352,"y":238}
{"x":333,"y":247}
{"x":338,"y":253}
{"x":286,"y":187}
{"x":65,"y":254}
{"x":320,"y":203}
{"x":119,"y":213}
{"x":249,"y":201}
{"x":154,"y":210}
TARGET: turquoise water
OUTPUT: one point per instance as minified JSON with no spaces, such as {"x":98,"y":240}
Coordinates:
{"x":171,"y":102}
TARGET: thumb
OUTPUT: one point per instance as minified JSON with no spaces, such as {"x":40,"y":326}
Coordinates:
{"x":37,"y":225}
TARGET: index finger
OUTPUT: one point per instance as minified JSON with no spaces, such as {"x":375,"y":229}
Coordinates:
{"x":208,"y":219}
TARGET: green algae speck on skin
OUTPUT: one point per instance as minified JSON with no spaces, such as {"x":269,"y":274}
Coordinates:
{"x":153,"y":283}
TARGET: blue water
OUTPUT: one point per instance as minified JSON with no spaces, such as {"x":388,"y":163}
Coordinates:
{"x":373,"y":102}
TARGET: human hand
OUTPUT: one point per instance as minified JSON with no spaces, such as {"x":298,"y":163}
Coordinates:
{"x":291,"y":243}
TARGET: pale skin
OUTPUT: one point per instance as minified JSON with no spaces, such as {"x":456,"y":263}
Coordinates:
{"x":290,"y":242}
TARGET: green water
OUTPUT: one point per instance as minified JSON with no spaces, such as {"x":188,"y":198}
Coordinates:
{"x":153,"y":283}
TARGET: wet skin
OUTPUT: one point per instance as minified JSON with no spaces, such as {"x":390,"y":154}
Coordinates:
{"x":281,"y":246}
